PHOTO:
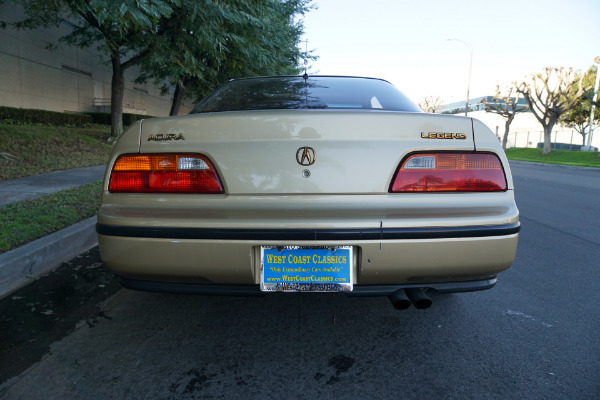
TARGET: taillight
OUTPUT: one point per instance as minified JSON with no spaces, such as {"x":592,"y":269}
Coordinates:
{"x":450,"y":172}
{"x":164,"y":173}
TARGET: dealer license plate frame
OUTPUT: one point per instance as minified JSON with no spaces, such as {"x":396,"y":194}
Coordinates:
{"x":342,"y":279}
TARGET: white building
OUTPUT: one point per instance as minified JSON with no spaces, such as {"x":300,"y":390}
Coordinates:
{"x":525,"y":130}
{"x":68,"y":79}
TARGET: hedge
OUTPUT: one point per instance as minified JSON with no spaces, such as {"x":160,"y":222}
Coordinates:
{"x":104,"y":118}
{"x":31,"y":116}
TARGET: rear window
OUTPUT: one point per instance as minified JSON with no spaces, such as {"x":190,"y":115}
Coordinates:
{"x":317,"y":92}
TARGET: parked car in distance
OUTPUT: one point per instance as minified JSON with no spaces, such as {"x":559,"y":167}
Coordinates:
{"x":309,"y":184}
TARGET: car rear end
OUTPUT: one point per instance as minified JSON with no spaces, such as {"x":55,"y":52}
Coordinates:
{"x":405,"y":200}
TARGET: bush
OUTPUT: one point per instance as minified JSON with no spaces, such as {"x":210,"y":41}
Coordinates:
{"x":100,"y":118}
{"x":129,"y":119}
{"x":25,"y":116}
{"x":104,"y":118}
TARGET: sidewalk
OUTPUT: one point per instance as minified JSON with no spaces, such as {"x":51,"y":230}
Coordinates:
{"x":39,"y":185}
{"x":22,"y":265}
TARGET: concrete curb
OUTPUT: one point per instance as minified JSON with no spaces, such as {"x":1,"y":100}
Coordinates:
{"x":22,"y":265}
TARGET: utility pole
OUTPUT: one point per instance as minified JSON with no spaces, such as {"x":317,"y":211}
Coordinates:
{"x":469,"y":78}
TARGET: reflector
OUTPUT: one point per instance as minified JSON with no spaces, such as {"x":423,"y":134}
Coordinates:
{"x":187,"y":163}
{"x":420,"y":162}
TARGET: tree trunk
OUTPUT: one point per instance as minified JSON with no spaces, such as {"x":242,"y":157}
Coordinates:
{"x":178,"y":99}
{"x":506,"y":130}
{"x":547,"y":139}
{"x":116,"y":98}
{"x":548,"y":133}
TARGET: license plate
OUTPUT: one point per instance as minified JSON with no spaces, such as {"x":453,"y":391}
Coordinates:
{"x":306,"y":269}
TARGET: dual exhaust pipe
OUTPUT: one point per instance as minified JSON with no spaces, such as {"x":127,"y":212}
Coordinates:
{"x":402,"y":299}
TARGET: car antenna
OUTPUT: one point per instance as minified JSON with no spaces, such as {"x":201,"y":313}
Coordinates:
{"x":305,"y":76}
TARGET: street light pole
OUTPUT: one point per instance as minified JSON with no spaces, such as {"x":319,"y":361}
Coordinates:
{"x":470,"y":64}
{"x":597,"y":62}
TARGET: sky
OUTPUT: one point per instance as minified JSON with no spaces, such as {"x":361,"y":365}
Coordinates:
{"x":405,"y":42}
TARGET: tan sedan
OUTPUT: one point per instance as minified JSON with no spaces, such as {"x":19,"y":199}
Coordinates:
{"x":313,"y":184}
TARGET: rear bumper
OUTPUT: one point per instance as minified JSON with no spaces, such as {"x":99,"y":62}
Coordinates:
{"x":254,"y":290}
{"x":309,"y":234}
{"x":399,"y":258}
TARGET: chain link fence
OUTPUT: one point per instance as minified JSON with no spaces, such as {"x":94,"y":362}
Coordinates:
{"x":562,"y":139}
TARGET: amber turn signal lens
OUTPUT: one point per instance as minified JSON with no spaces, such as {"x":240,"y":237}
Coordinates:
{"x":449,"y":172}
{"x":164,"y":173}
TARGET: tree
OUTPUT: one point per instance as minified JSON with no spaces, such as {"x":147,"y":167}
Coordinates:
{"x":259,"y":38}
{"x":198,"y":44}
{"x":194,"y":36}
{"x":126,"y":32}
{"x":590,"y":94}
{"x":549,"y":95}
{"x":578,"y":117}
{"x":265,"y":45}
{"x":430,"y":105}
{"x":505,"y":106}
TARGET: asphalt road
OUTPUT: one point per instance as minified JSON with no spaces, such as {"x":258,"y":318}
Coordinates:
{"x":536,"y":335}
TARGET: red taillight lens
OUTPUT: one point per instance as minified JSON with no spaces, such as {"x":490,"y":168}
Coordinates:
{"x":164,"y":173}
{"x":450,"y":172}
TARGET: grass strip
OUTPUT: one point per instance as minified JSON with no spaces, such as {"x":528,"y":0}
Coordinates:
{"x":32,"y":150}
{"x":563,"y":157}
{"x":27,"y":220}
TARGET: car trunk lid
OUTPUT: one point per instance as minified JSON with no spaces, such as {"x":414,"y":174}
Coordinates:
{"x":286,"y":152}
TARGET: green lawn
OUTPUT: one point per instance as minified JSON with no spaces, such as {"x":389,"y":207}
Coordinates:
{"x":34,"y":149}
{"x":27,"y":220}
{"x":31,"y":150}
{"x":564,"y":157}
